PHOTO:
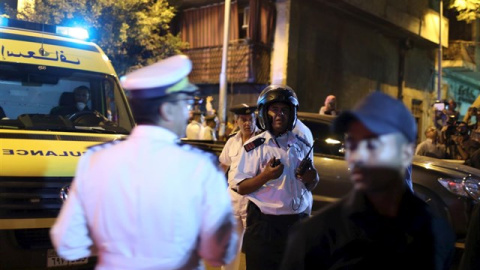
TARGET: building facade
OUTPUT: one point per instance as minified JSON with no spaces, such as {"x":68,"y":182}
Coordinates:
{"x":347,"y":48}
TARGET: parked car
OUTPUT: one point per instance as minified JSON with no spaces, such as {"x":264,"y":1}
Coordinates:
{"x":450,"y":188}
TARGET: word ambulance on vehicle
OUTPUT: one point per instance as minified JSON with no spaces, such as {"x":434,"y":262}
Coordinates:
{"x":39,"y":146}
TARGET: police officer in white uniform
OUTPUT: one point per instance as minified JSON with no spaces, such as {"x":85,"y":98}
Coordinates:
{"x":209,"y":132}
{"x":148,"y":202}
{"x":244,"y":115}
{"x":267,"y":173}
{"x":195,"y":127}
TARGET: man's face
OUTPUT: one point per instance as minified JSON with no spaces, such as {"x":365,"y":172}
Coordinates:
{"x":431,"y":133}
{"x":246,"y":123}
{"x":376,"y":163}
{"x":81,"y":95}
{"x":279,"y":113}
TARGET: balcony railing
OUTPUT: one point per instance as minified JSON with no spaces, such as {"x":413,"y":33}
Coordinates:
{"x":460,"y":50}
{"x":246,"y":63}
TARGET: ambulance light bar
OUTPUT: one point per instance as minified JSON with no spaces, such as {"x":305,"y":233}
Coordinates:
{"x":73,"y":32}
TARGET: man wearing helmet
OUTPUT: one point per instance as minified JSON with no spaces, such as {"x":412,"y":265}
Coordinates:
{"x":268,"y":174}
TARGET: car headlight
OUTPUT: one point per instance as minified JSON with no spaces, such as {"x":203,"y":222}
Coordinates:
{"x":472,"y":187}
{"x":467,"y":187}
{"x":455,"y":186}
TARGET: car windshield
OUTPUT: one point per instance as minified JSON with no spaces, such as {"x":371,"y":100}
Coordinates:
{"x":326,"y":142}
{"x":43,"y":98}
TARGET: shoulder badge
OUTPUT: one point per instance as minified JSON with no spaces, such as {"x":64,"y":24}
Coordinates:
{"x":101,"y":146}
{"x":254,"y":144}
{"x":302,"y":140}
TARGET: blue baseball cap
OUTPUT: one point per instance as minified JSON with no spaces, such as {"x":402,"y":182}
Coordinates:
{"x":381,"y":114}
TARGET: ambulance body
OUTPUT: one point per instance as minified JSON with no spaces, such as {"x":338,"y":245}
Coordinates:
{"x":39,"y":150}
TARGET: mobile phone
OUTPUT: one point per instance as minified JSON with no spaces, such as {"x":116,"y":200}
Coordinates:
{"x":439,"y":106}
{"x":275,"y":162}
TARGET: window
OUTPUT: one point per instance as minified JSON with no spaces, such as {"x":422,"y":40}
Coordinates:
{"x":43,"y":98}
{"x":326,"y":142}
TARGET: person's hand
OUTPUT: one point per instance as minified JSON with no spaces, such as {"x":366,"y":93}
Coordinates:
{"x":271,"y":171}
{"x":309,"y":176}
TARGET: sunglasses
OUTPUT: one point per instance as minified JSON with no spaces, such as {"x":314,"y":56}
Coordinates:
{"x":189,"y":101}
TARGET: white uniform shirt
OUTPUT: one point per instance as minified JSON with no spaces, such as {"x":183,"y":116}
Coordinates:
{"x":286,"y":194}
{"x":194,"y":130}
{"x":147,"y":203}
{"x":230,"y":156}
{"x":303,"y":131}
{"x":208,"y":134}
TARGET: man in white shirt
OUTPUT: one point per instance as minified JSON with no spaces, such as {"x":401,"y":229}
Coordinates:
{"x":209,"y":132}
{"x":244,"y":115}
{"x":431,"y":147}
{"x":148,"y":202}
{"x":194,"y":129}
{"x":269,"y":174}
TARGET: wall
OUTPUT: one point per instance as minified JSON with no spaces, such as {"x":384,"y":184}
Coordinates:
{"x":333,"y":51}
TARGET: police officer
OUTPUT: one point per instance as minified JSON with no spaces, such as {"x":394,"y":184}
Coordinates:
{"x":244,"y":115}
{"x":195,"y":128}
{"x":381,"y":224}
{"x":267,"y":174}
{"x":210,"y":130}
{"x":147,"y":202}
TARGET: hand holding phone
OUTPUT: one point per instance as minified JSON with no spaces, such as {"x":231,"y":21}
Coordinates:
{"x":275,"y":162}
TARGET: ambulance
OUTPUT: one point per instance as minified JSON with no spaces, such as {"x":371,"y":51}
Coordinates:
{"x":45,"y":129}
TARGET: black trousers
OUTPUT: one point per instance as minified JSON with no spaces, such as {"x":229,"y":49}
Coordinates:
{"x":265,"y":238}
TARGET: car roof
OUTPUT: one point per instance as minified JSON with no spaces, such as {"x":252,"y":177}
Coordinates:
{"x":316,"y":117}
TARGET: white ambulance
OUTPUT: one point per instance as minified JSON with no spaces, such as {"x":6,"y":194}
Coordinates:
{"x":45,"y":127}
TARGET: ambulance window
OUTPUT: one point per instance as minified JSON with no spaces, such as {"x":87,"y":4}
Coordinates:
{"x":44,"y":98}
{"x":112,"y":104}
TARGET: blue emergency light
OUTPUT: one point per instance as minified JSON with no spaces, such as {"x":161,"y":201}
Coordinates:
{"x":73,"y":32}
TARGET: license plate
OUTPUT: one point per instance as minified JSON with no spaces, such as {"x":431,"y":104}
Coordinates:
{"x":53,"y":260}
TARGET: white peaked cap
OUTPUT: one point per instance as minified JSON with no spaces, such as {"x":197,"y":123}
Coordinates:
{"x":165,"y":77}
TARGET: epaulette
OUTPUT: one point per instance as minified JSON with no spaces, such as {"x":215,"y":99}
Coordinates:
{"x":101,"y":146}
{"x":303,"y":140}
{"x":254,"y":144}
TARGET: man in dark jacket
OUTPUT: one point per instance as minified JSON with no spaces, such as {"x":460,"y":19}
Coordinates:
{"x":381,"y":224}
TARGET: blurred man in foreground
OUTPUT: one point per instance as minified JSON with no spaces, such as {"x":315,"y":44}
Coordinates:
{"x":381,"y":224}
{"x":147,"y":202}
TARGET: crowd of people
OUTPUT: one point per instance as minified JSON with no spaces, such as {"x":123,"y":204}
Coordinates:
{"x":150,"y":202}
{"x":452,"y":138}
